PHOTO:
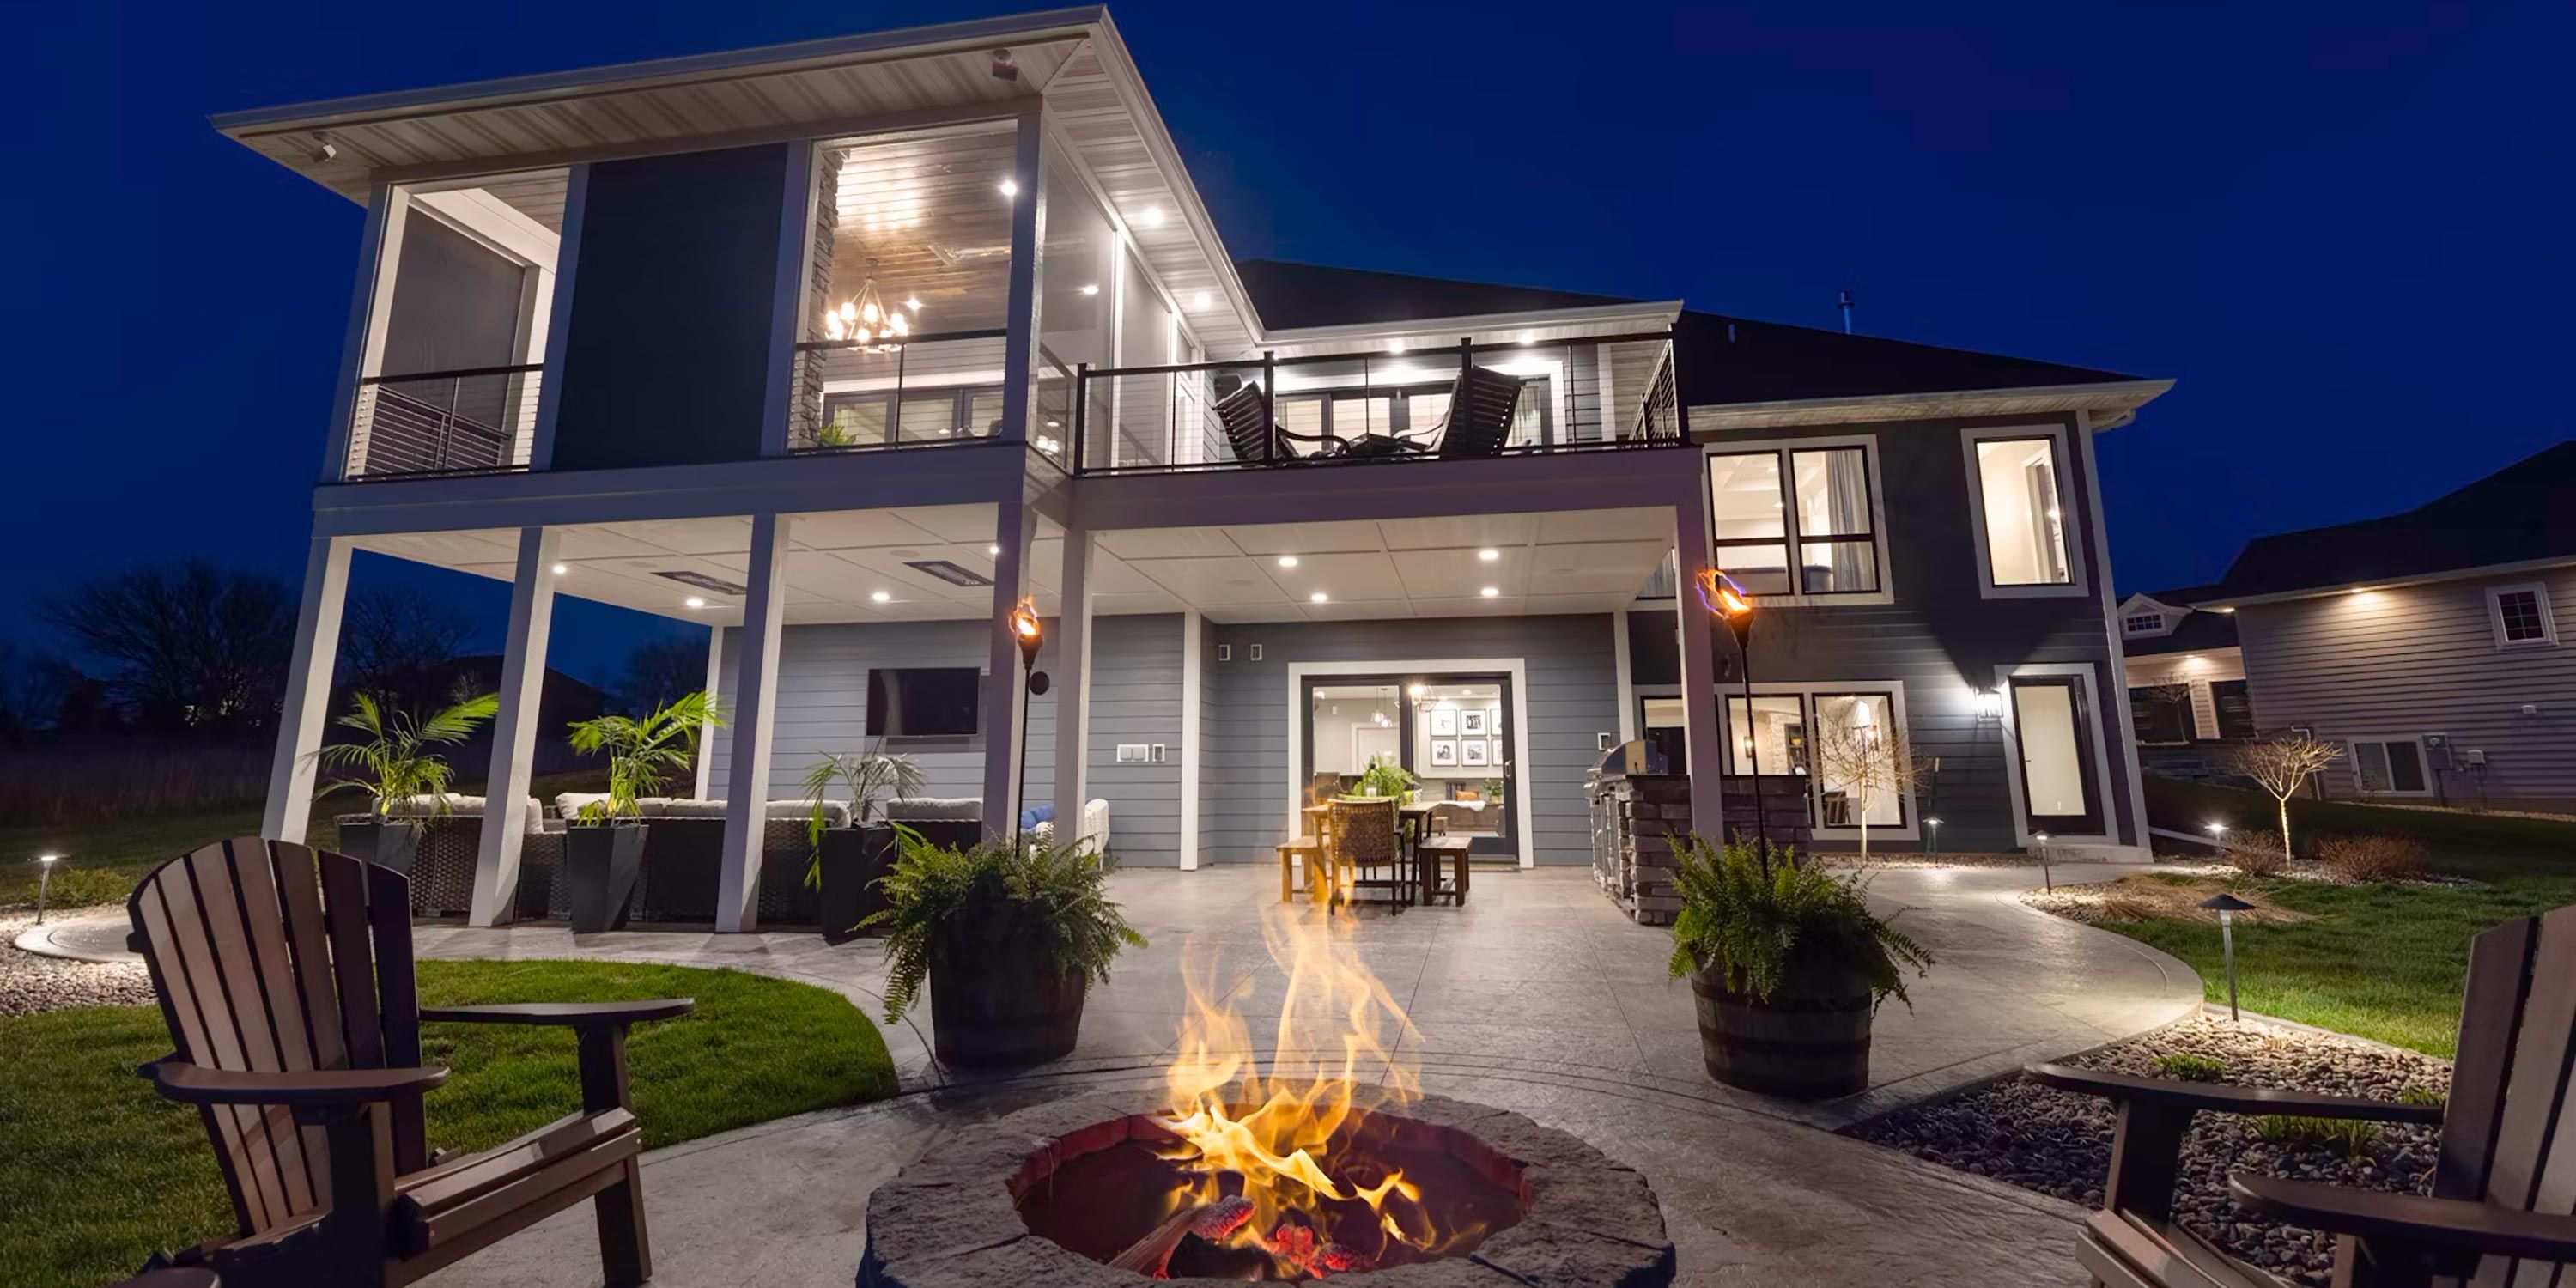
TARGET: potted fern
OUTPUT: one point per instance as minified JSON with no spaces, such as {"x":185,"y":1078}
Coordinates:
{"x":849,"y":860}
{"x":1007,"y":936}
{"x":1787,"y":964}
{"x":604,"y":846}
{"x":1384,"y":777}
{"x":393,"y":763}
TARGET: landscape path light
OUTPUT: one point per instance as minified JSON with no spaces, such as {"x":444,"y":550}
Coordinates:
{"x":44,"y":882}
{"x":2227,"y":906}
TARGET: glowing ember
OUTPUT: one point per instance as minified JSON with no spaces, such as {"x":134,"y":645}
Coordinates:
{"x":1283,"y":1141}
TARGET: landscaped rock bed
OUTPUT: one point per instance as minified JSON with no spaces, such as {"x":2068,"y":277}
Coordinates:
{"x":2058,"y":1142}
{"x":30,"y":983}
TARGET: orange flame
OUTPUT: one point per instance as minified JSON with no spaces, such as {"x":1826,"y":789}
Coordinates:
{"x":1024,"y":618}
{"x":1274,"y":1128}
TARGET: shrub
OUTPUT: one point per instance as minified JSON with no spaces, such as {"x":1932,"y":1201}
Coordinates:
{"x":2190,"y":1066}
{"x":84,"y":888}
{"x":1760,"y":924}
{"x":1045,"y":897}
{"x":2351,"y":1137}
{"x":2256,"y":854}
{"x":2372,"y":857}
{"x":2415,"y":1094}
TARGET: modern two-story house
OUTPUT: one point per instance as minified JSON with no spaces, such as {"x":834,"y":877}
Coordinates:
{"x":845,"y":349}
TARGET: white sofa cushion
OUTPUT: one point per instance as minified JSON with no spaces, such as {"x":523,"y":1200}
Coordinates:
{"x":934,"y":808}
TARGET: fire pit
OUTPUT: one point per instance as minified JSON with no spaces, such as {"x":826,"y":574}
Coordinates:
{"x":1096,"y":1193}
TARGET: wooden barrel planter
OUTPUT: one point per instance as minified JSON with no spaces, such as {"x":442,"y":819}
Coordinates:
{"x":1806,"y":1044}
{"x":993,"y":1008}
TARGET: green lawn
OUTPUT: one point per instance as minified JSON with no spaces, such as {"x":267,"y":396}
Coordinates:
{"x":98,"y":1171}
{"x":2384,"y":962}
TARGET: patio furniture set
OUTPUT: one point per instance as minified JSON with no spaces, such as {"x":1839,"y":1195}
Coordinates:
{"x":1479,"y":421}
{"x":1375,"y":844}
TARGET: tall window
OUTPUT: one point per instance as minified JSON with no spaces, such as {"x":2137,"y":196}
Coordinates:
{"x":1847,"y":743}
{"x":1795,"y":521}
{"x":2021,"y":500}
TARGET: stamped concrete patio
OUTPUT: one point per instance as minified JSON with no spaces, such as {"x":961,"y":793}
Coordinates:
{"x":1536,"y":997}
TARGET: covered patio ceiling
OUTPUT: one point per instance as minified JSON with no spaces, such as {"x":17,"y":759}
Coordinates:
{"x":864,"y":565}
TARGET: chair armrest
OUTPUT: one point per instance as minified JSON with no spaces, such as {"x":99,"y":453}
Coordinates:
{"x":563,"y":1014}
{"x":2454,"y":1225}
{"x":306,"y":1089}
{"x":2223,"y":1098}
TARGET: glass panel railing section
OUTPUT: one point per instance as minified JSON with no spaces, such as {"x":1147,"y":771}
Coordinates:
{"x":477,"y":421}
{"x":1180,"y":417}
{"x":927,"y":391}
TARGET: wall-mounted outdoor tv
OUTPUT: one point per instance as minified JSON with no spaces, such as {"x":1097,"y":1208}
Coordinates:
{"x":923,"y":701}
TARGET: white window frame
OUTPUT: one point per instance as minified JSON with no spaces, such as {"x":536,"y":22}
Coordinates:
{"x":2423,"y":761}
{"x":1805,"y":691}
{"x":2155,"y":624}
{"x":2077,"y":585}
{"x":1868,"y":443}
{"x":2495,"y":615}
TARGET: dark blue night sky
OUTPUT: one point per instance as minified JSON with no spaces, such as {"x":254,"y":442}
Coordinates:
{"x":2342,"y":227}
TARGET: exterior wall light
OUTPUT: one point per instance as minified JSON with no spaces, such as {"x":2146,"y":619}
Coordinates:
{"x":1990,"y":704}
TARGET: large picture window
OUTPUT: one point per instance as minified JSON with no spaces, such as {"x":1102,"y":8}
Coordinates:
{"x":1796,"y":520}
{"x":2019,"y":490}
{"x":1848,"y":742}
{"x":2389,"y":766}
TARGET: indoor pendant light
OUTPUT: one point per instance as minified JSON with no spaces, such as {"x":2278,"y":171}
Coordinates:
{"x":866,"y":319}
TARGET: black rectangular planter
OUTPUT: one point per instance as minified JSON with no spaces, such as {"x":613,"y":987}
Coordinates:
{"x":601,"y":865}
{"x":392,"y":842}
{"x":853,"y":859}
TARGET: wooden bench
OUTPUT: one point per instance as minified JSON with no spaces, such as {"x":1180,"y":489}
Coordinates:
{"x":1434,"y":850}
{"x":1318,"y":877}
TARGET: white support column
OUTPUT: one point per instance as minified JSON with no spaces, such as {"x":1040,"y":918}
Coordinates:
{"x":1028,"y":240}
{"x":1701,"y":731}
{"x":715,"y":704}
{"x":755,"y":702}
{"x":514,"y":729}
{"x":308,"y":690}
{"x":1015,"y":526}
{"x":541,"y":442}
{"x":1627,"y":674}
{"x":1193,"y":650}
{"x":362,"y":352}
{"x":1070,"y":672}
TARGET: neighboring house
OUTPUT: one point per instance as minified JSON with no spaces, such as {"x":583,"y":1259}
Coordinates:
{"x":2434,"y":644}
{"x":764,"y":341}
{"x":2186,"y":673}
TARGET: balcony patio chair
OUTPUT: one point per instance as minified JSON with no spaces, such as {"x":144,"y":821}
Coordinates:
{"x":285,"y":975}
{"x":2501,"y":1185}
{"x":1244,"y":414}
{"x":1364,"y":843}
{"x":1480,"y":416}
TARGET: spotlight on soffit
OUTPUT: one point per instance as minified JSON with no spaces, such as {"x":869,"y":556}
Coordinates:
{"x":1005,"y":67}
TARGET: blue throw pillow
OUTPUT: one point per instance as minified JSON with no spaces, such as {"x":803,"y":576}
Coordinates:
{"x":1036,"y":814}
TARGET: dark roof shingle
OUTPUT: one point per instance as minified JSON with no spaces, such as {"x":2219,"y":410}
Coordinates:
{"x":2521,"y":513}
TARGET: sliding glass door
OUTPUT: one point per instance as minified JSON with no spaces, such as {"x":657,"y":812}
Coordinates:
{"x":1453,"y":733}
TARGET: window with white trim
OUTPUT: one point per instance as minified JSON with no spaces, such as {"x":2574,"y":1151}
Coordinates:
{"x":1847,"y":742}
{"x":2143,"y":623}
{"x":1796,"y":520}
{"x":2519,"y":615}
{"x":2389,"y":767}
{"x":2021,"y":502}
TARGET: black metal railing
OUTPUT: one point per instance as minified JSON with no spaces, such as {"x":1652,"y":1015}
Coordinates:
{"x":928,"y":390}
{"x":1605,"y":393}
{"x":480,"y":420}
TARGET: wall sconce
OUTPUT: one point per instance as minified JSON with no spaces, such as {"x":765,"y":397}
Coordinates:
{"x":1990,"y":704}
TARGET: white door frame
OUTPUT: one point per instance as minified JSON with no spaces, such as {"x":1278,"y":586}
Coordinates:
{"x":2083,"y":674}
{"x":1299,"y":672}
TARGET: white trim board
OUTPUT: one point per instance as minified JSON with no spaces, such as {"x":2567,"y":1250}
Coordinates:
{"x":1299,"y":672}
{"x":1884,"y":549}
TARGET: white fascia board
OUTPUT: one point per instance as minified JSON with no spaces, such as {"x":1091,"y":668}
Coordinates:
{"x":2109,"y":395}
{"x":1549,"y":324}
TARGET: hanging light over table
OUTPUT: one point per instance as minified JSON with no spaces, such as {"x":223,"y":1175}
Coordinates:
{"x":867,"y":319}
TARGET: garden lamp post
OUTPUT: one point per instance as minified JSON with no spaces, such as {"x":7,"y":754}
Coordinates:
{"x":44,"y":882}
{"x":2227,"y":906}
{"x":1932,"y":836}
{"x":2047,"y":879}
{"x":2218,"y":834}
{"x":1030,"y":635}
{"x":1726,"y":599}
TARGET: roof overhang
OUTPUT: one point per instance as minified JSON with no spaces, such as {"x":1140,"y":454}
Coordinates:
{"x":2113,"y":402}
{"x":1538,"y":327}
{"x":2230,"y":603}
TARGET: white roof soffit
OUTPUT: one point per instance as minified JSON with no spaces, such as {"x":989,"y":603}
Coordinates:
{"x":2118,"y":398}
{"x":673,"y":100}
{"x":1491,"y":328}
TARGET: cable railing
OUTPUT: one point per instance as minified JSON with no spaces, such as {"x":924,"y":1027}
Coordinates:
{"x":929,"y":390}
{"x":479,"y":420}
{"x":1462,"y":402}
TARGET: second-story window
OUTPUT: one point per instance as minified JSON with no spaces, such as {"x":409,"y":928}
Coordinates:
{"x":2017,"y":492}
{"x":1796,"y":520}
{"x":2143,"y":623}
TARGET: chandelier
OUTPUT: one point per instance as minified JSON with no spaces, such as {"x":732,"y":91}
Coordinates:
{"x":865,"y":319}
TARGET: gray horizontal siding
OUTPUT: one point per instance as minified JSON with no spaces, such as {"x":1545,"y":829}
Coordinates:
{"x":1571,"y":693}
{"x":2422,"y":659}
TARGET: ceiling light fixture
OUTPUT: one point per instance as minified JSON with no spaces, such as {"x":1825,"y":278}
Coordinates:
{"x":1010,"y":187}
{"x":1318,"y":597}
{"x":1005,"y":67}
{"x":694,"y":602}
{"x":1151,"y":216}
{"x":1490,"y":592}
{"x":1201,"y":300}
{"x":880,"y":596}
{"x":1417,"y":691}
{"x":912,"y":302}
{"x":864,"y":319}
{"x":1395,"y":346}
{"x":705,"y":582}
{"x":561,"y":570}
{"x":955,"y":574}
{"x":1091,"y":288}
{"x":1287,"y":561}
{"x":995,"y":551}
{"x":1489,"y":555}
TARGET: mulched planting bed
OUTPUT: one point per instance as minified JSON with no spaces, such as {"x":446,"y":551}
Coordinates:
{"x":2059,"y":1143}
{"x":30,"y":983}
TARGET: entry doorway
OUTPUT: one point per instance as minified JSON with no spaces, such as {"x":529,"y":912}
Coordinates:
{"x":1453,"y":732}
{"x":2061,"y":785}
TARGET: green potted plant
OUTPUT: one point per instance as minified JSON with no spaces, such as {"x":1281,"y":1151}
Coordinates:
{"x":1787,"y":964}
{"x":1384,"y":777}
{"x":1007,"y":936}
{"x":392,"y":762}
{"x":604,"y":846}
{"x":849,"y":860}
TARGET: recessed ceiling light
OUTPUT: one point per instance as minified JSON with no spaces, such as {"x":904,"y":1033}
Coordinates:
{"x":1318,"y":597}
{"x":1201,"y":300}
{"x":913,"y":303}
{"x":1091,"y":288}
{"x":694,"y":602}
{"x":561,"y":570}
{"x":995,"y":551}
{"x":1010,"y":187}
{"x":1287,"y":561}
{"x":1529,"y":337}
{"x":1490,"y":591}
{"x":880,"y":596}
{"x":1151,"y":217}
{"x":1395,"y":346}
{"x":1489,"y":555}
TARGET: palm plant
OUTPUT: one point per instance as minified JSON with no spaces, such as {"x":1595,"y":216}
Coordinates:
{"x":644,"y":751}
{"x":1384,"y":777}
{"x":870,"y":776}
{"x":393,"y":760}
{"x":1757,"y":926}
{"x":1044,"y":898}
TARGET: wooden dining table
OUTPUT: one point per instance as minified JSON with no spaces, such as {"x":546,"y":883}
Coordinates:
{"x":1412,"y":823}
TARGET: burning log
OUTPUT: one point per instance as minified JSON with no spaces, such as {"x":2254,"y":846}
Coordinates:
{"x":1152,"y":1255}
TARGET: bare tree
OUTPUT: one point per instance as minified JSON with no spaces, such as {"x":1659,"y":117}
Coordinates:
{"x":187,"y":645}
{"x":32,"y":688}
{"x":389,"y":640}
{"x":2282,"y":766}
{"x":661,"y":671}
{"x":1867,"y":760}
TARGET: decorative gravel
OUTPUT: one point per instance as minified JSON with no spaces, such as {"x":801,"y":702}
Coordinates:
{"x":30,"y":983}
{"x":2058,"y":1142}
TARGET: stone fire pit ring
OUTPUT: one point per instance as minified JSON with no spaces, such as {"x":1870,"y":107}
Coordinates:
{"x":949,"y":1220}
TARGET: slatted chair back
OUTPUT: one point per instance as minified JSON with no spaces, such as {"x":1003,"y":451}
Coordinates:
{"x":2509,"y":1133}
{"x":1480,"y":413}
{"x":275,"y":957}
{"x":1246,"y":417}
{"x":1364,"y":833}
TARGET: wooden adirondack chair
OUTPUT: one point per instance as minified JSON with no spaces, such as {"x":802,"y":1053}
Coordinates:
{"x":285,"y":975}
{"x":2505,"y":1181}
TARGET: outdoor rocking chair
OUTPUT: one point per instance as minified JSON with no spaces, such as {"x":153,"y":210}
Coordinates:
{"x":1259,"y":440}
{"x":285,"y":975}
{"x":2502,"y":1187}
{"x":1481,"y":402}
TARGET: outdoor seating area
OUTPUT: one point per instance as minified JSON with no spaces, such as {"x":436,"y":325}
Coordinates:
{"x":1403,"y":849}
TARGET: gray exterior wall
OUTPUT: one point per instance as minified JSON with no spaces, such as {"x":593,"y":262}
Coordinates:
{"x":1572,"y":695}
{"x":1941,"y":638}
{"x":2413,"y":660}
